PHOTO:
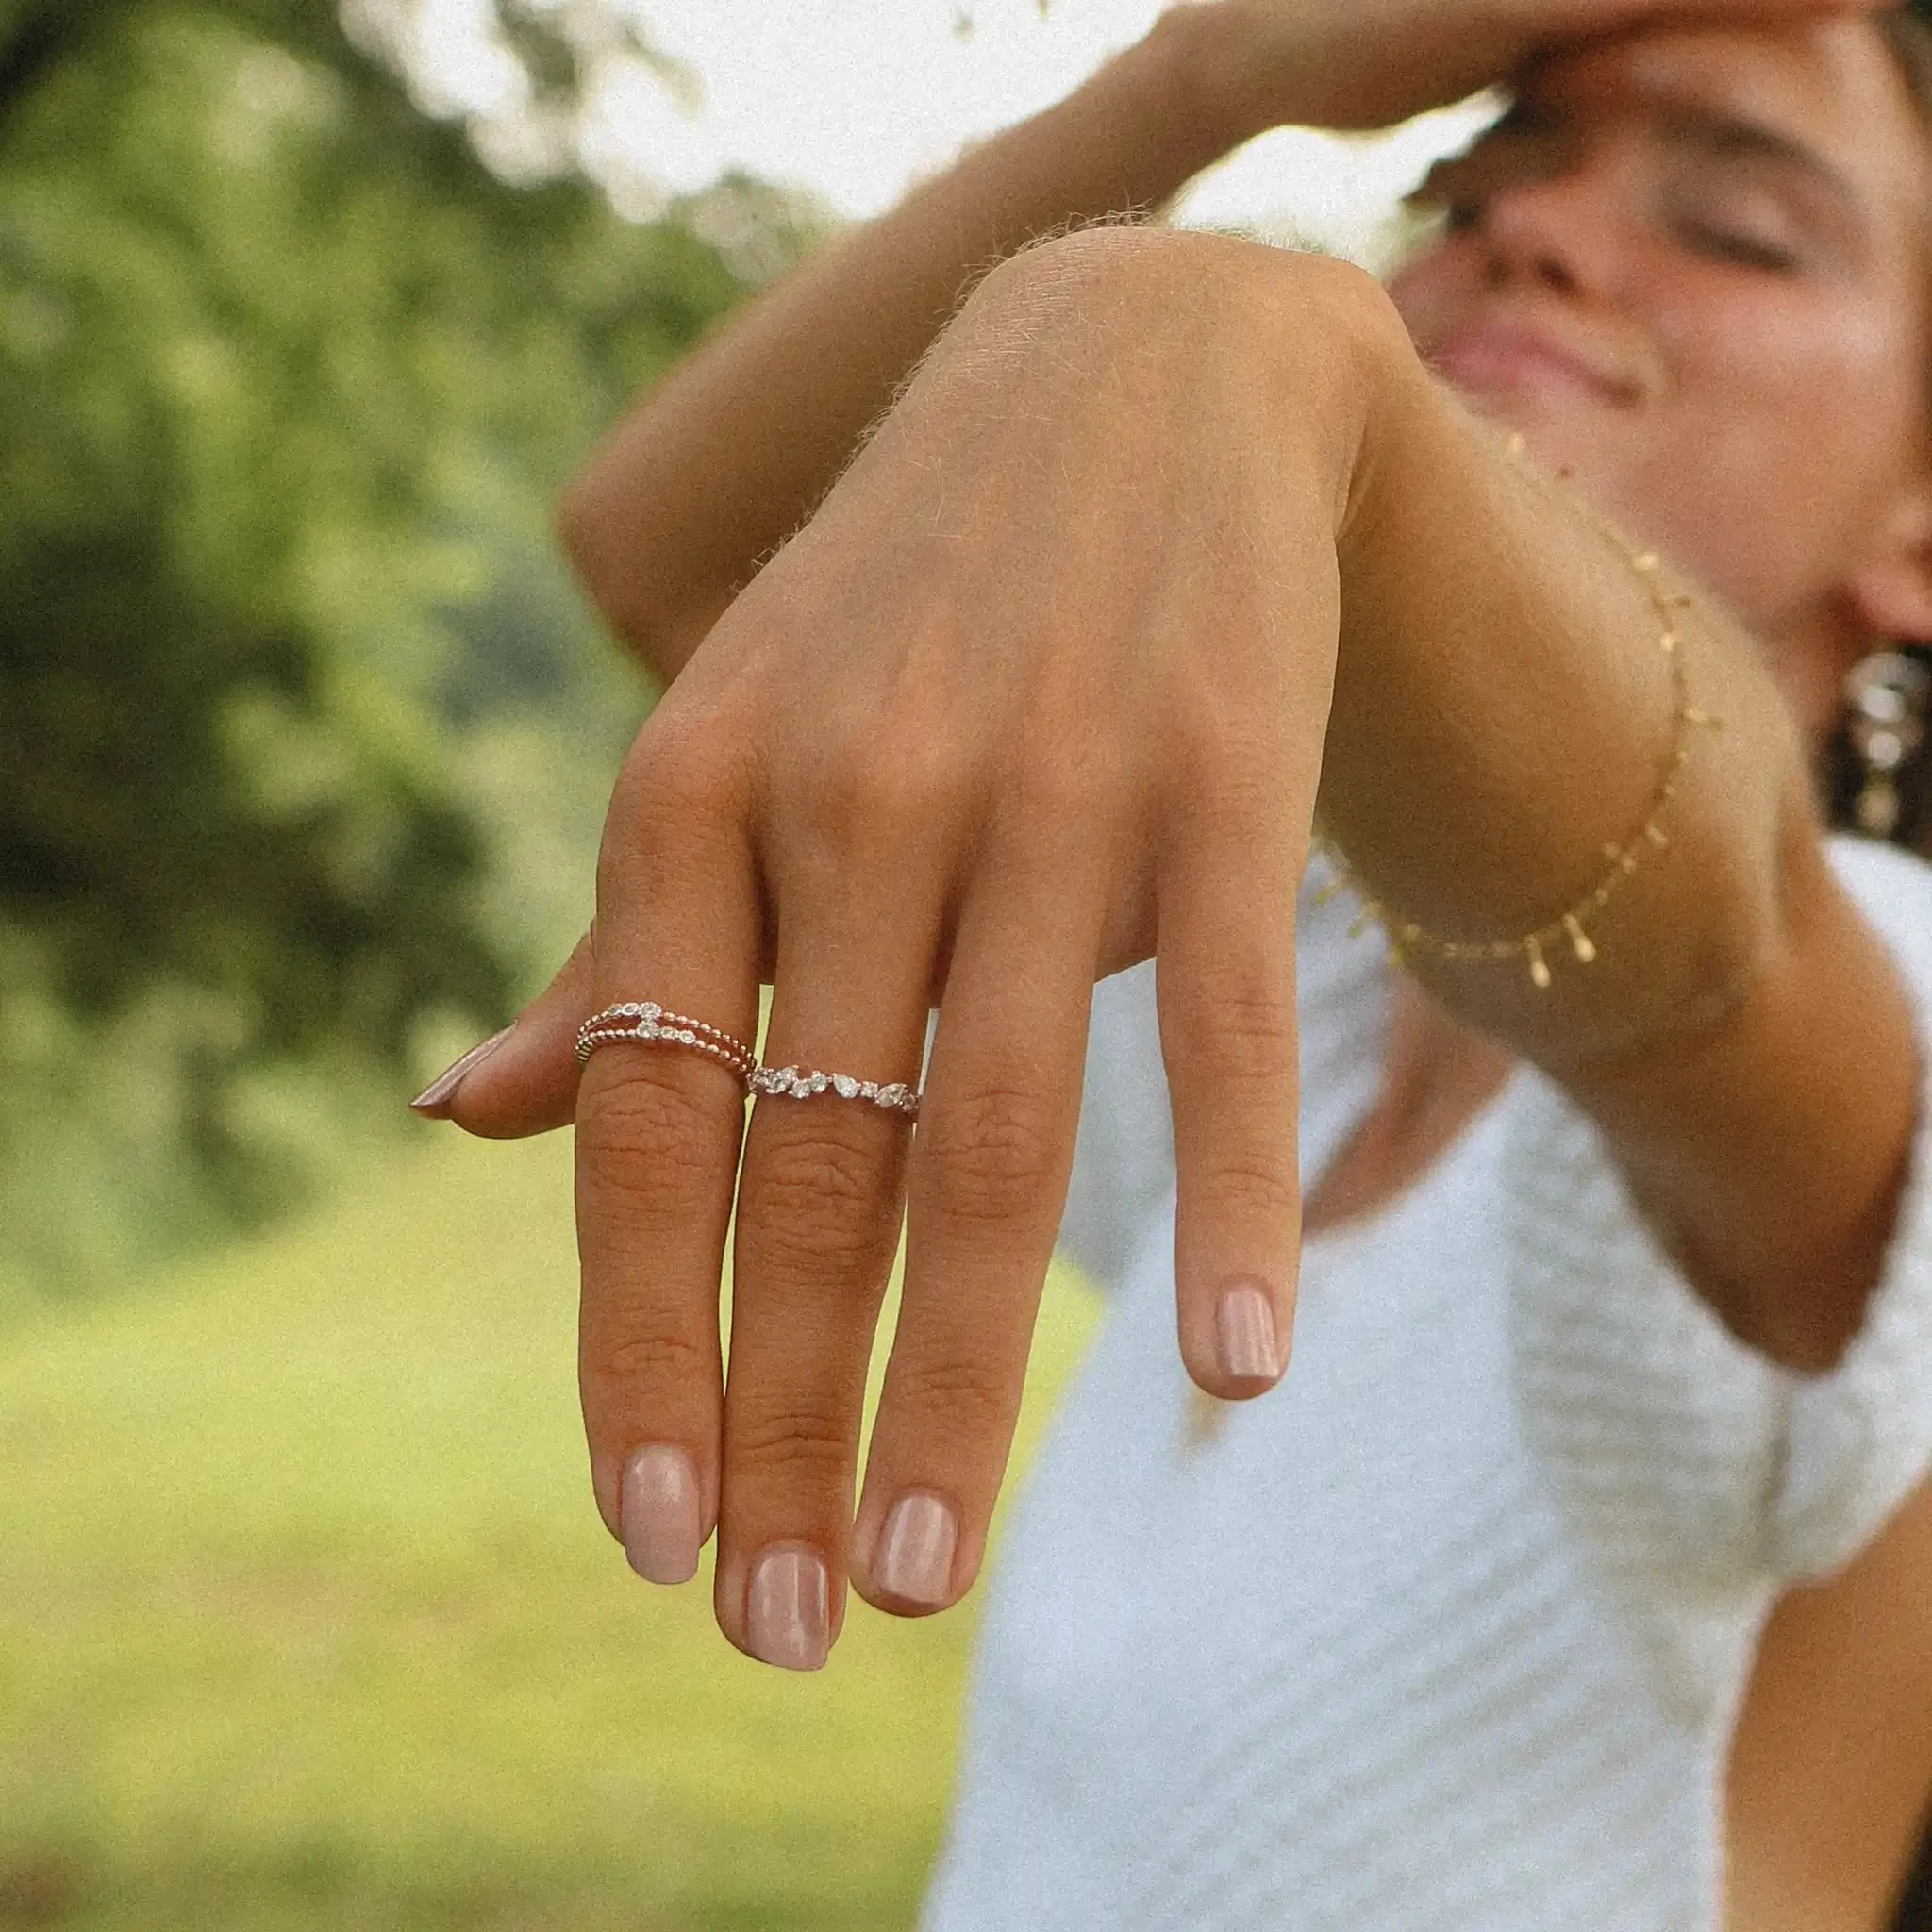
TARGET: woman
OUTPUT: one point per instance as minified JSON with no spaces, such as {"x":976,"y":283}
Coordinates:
{"x":1578,"y":1573}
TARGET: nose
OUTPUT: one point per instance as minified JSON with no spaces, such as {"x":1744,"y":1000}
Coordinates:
{"x":1561,"y":230}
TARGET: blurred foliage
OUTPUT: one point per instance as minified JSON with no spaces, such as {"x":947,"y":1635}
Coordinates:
{"x":288,"y":668}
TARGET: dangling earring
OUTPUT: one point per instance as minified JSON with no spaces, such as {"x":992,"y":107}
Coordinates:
{"x":1886,"y":696}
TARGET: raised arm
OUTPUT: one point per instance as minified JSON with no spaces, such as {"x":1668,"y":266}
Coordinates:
{"x":716,"y":467}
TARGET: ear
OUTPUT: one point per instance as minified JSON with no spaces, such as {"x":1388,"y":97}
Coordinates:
{"x":1891,"y":591}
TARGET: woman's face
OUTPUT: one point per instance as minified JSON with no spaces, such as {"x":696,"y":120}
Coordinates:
{"x":1691,"y":265}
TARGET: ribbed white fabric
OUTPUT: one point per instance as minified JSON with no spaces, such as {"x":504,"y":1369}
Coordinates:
{"x":1448,"y":1631}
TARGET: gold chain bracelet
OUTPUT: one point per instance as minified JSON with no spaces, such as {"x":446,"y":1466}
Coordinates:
{"x":1406,"y":937}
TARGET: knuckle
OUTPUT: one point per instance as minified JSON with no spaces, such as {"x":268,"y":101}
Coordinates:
{"x":680,"y":804}
{"x":679,"y":771}
{"x":882,"y":787}
{"x":1062,"y":783}
{"x":630,"y":1356}
{"x":1220,"y":755}
{"x":648,"y":1143}
{"x":1251,"y":1018}
{"x":1242,"y":1029}
{"x":848,"y":802}
{"x":990,"y":1156}
{"x":805,"y":1438}
{"x":969,"y":1397}
{"x":1247,"y":1189}
{"x":815,"y":1205}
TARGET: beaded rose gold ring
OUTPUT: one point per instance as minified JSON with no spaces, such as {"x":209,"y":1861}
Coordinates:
{"x":645,"y":1019}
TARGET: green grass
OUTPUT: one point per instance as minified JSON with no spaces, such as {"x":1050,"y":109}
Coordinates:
{"x":307,"y":1621}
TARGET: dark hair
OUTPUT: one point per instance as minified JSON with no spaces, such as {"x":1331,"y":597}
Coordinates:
{"x":1907,"y":31}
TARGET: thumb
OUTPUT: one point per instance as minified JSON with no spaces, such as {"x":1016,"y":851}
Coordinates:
{"x":524,"y":1079}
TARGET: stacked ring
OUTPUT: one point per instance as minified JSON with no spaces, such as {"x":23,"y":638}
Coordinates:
{"x":646,"y":1021}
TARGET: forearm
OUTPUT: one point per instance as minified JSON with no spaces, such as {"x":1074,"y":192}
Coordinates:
{"x":722,"y":461}
{"x":1503,"y":703}
{"x":1502,"y":707}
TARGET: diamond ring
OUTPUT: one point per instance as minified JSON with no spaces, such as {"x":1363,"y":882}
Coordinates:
{"x":802,"y":1084}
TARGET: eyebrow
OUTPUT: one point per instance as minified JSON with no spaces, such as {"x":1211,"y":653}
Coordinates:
{"x":1728,"y":136}
{"x":1722,"y":134}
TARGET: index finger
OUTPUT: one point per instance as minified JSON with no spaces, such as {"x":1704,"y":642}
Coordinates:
{"x":659,"y":1126}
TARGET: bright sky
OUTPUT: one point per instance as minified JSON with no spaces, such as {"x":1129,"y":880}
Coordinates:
{"x":857,"y":98}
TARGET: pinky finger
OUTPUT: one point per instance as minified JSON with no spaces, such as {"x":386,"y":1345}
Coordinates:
{"x":1226,"y":987}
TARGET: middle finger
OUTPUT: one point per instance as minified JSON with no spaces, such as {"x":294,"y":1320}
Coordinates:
{"x":819,"y":1213}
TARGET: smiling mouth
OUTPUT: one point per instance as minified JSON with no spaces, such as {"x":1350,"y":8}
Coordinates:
{"x":1496,"y":356}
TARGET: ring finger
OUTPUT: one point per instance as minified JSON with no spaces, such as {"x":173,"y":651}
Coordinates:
{"x":819,"y":1211}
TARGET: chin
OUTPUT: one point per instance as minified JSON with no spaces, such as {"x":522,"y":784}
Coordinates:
{"x":1562,"y":429}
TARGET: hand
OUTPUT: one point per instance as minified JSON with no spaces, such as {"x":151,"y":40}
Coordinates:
{"x":1256,"y":64}
{"x":1041,"y":688}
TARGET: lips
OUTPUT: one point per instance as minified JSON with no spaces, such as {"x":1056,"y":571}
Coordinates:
{"x":1514,"y":356}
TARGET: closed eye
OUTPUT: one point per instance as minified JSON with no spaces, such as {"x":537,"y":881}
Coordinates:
{"x":1748,"y":251}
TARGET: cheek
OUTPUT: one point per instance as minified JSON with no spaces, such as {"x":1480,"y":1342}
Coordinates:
{"x":1785,"y":423}
{"x":1792,"y":369}
{"x":1430,"y":289}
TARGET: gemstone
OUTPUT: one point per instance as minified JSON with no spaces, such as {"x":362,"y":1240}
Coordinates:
{"x":819,"y":1082}
{"x":688,"y":1038}
{"x":894,"y":1095}
{"x":845,"y":1086}
{"x":647,"y":1029}
{"x":650,"y":1010}
{"x":868,"y":1089}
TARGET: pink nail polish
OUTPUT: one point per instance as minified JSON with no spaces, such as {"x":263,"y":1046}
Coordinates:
{"x":785,"y":1613}
{"x":1244,"y":1337}
{"x":915,"y":1554}
{"x":433,"y":1101}
{"x":660,"y":1515}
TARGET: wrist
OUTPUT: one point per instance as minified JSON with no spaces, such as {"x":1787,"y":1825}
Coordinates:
{"x":1224,"y":88}
{"x":1176,"y":87}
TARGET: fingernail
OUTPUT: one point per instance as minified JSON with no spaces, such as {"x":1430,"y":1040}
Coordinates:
{"x":785,"y":1618}
{"x":660,"y":1514}
{"x":1245,"y":1336}
{"x":433,"y":1101}
{"x":915,"y":1554}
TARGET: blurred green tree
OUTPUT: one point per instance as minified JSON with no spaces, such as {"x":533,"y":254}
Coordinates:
{"x":286,"y":376}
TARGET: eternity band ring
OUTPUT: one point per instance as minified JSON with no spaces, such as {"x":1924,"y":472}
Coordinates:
{"x":646,"y":1021}
{"x":802,"y":1084}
